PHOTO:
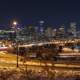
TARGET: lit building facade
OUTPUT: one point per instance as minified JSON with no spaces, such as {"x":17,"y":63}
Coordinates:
{"x":72,"y":30}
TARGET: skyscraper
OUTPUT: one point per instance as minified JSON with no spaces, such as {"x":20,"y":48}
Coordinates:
{"x":48,"y":32}
{"x":61,"y":32}
{"x":72,"y":29}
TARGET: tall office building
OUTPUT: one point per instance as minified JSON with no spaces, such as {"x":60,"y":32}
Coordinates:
{"x":54,"y":32}
{"x":62,"y":29}
{"x":48,"y":32}
{"x":72,"y":29}
{"x":61,"y":32}
{"x":41,"y":27}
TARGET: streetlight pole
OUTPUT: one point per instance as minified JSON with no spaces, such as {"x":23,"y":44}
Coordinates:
{"x":17,"y":52}
{"x":17,"y":45}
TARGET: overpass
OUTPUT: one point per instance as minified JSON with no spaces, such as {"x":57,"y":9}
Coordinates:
{"x":55,"y":42}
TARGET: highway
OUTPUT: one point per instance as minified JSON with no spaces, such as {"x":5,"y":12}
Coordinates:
{"x":10,"y":61}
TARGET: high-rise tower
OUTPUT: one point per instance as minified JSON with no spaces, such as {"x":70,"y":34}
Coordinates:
{"x":72,"y":29}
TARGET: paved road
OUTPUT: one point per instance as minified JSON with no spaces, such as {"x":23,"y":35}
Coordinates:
{"x":9,"y":60}
{"x":41,"y":63}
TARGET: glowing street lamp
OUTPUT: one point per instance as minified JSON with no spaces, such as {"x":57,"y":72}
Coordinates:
{"x":15,"y":23}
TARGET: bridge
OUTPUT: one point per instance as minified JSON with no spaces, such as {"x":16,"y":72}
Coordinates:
{"x":55,"y":42}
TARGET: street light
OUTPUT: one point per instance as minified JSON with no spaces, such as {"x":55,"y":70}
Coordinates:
{"x":15,"y":23}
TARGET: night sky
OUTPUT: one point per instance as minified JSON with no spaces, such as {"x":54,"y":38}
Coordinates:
{"x":55,"y":12}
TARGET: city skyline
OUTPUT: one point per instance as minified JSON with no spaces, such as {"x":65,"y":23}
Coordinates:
{"x":38,"y":24}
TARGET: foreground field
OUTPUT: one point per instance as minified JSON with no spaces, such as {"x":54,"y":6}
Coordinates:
{"x":33,"y":69}
{"x":21,"y":74}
